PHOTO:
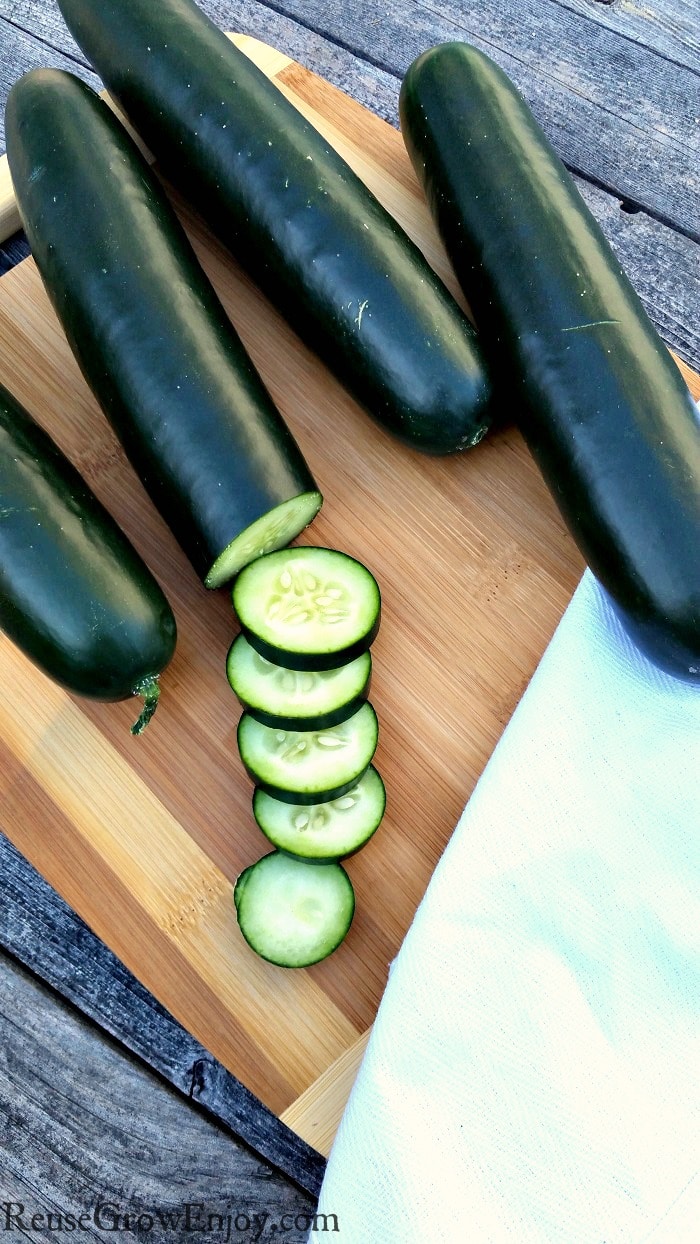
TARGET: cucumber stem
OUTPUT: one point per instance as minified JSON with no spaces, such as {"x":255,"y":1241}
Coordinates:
{"x":149,"y":689}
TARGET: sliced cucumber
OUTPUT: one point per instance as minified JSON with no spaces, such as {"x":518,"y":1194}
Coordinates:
{"x":296,"y":699}
{"x":308,"y":766}
{"x":292,"y":913}
{"x":240,"y":883}
{"x":308,"y":608}
{"x":323,"y":831}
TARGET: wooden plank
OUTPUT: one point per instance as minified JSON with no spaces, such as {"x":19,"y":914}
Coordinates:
{"x":22,"y":50}
{"x":85,"y":1127}
{"x":42,"y":933}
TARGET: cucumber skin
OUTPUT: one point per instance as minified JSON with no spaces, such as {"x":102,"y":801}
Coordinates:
{"x":75,"y":596}
{"x":322,"y":721}
{"x":306,"y":229}
{"x":316,"y":859}
{"x":145,"y":325}
{"x":604,"y":410}
{"x":287,"y":796}
{"x":311,"y":661}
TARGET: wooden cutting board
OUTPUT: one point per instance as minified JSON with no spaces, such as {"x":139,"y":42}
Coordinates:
{"x":144,"y":837}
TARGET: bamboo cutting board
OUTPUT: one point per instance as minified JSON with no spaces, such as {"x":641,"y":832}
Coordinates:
{"x":144,"y":837}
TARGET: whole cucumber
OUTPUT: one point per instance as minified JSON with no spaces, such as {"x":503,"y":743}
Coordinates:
{"x":75,"y":595}
{"x":601,"y":403}
{"x":149,"y":331}
{"x":336,"y":265}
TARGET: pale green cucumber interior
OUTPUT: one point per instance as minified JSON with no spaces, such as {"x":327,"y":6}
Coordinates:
{"x":307,"y":600}
{"x":293,"y":693}
{"x":307,"y":761}
{"x":275,"y":530}
{"x":324,"y":830}
{"x":294,"y":913}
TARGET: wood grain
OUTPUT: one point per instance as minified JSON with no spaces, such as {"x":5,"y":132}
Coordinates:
{"x":315,"y":1115}
{"x":591,"y":89}
{"x":41,"y":932}
{"x":84,"y":1126}
{"x":145,"y":837}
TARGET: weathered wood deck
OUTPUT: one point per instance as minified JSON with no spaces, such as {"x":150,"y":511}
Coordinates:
{"x":617,"y":87}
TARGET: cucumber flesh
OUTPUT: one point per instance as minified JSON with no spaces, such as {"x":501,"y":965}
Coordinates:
{"x":324,"y":831}
{"x":273,"y":531}
{"x":296,"y":699}
{"x":308,"y":766}
{"x":292,"y":913}
{"x":308,"y":608}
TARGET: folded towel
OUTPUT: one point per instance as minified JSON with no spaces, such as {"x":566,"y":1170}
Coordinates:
{"x":533,"y":1074}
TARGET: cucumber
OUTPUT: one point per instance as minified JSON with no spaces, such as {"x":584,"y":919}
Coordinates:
{"x":149,"y":332}
{"x":308,"y":766}
{"x":308,"y":608}
{"x":75,"y":596}
{"x":595,"y":392}
{"x":304,"y":226}
{"x":324,"y":831}
{"x":294,"y":914}
{"x":296,"y":699}
{"x":240,"y":884}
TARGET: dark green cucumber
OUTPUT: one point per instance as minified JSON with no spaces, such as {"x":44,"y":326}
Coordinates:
{"x":296,"y":699}
{"x":75,"y":595}
{"x":292,"y":913}
{"x":308,"y":608}
{"x":327,"y":254}
{"x":595,"y":392}
{"x":149,"y":332}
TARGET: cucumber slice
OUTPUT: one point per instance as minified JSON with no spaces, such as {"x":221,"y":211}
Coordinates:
{"x":296,"y":699}
{"x":323,"y":831}
{"x":240,"y":883}
{"x":292,"y":913}
{"x":309,"y":766}
{"x":308,"y":608}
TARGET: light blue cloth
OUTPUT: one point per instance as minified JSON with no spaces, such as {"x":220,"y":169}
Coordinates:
{"x":533,"y":1075}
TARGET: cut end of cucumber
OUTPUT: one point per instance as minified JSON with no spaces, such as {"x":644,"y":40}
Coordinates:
{"x":275,"y":530}
{"x":292,"y":913}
